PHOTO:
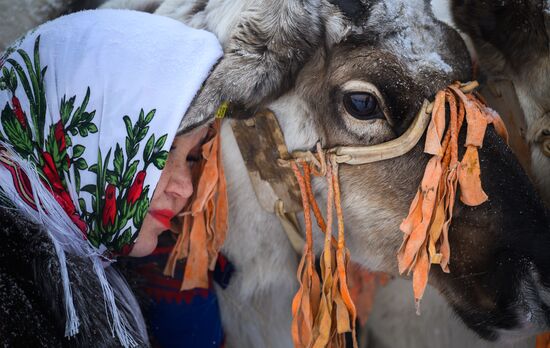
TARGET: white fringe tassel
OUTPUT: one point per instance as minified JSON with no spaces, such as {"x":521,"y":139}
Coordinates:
{"x":73,"y":323}
{"x":66,"y":237}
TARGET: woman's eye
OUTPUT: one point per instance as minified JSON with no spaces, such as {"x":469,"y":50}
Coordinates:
{"x":362,"y":106}
{"x":193,"y":158}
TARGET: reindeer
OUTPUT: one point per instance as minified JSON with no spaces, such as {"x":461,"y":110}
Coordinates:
{"x":398,"y":48}
{"x":393,"y":54}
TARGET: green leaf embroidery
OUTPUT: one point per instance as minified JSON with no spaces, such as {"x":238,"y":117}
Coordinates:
{"x":93,"y":238}
{"x":37,"y":97}
{"x":84,"y":104}
{"x":31,"y":75}
{"x":89,"y":188}
{"x":149,"y":148}
{"x":150,"y":116}
{"x":78,"y":150}
{"x":28,"y":92}
{"x":142,"y":207}
{"x":127,"y":180}
{"x":66,"y":109}
{"x":81,"y":164}
{"x":15,"y":132}
{"x":92,"y":128}
{"x":142,"y":133}
{"x":43,"y":72}
{"x":118,"y":161}
{"x":141,"y":117}
{"x":128,"y":146}
{"x":160,"y":142}
{"x":123,"y":239}
{"x":160,"y":160}
{"x":134,"y":151}
{"x":13,"y":80}
{"x":77,"y":181}
{"x":128,"y":123}
{"x":111,"y":178}
{"x":6,"y":76}
{"x":83,"y":132}
{"x":88,"y":116}
{"x":82,"y":204}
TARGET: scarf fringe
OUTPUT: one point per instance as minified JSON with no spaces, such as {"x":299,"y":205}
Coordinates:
{"x":65,"y":236}
{"x":426,"y":227}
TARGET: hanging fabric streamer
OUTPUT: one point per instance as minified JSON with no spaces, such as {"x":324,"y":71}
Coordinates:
{"x":426,"y":228}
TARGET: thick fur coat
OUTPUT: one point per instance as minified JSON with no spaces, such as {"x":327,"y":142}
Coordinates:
{"x":31,"y":297}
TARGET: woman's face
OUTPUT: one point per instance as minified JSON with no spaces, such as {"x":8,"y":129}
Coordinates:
{"x":173,"y":190}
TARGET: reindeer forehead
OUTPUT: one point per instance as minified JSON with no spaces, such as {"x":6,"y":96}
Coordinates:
{"x":408,"y":29}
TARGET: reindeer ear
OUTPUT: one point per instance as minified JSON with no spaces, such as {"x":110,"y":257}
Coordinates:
{"x":513,"y":28}
{"x":355,"y":10}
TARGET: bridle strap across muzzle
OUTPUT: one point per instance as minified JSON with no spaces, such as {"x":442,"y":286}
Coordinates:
{"x":357,"y":155}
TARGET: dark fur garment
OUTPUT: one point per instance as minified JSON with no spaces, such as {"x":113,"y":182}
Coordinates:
{"x":32,"y":312}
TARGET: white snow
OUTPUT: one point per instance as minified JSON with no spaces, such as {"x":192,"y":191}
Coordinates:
{"x":442,"y":11}
{"x":410,"y":33}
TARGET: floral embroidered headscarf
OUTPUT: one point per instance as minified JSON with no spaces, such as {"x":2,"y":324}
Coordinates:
{"x":89,"y":106}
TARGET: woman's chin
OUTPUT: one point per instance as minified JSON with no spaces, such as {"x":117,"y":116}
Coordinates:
{"x":147,"y":239}
{"x":144,"y":246}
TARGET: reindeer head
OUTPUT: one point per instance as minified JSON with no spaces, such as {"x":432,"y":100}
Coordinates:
{"x":364,"y":88}
{"x":355,"y":72}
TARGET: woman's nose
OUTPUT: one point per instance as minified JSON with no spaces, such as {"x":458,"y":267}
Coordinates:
{"x":180,"y":186}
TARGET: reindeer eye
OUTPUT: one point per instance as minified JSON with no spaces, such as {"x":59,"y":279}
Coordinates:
{"x":362,"y":106}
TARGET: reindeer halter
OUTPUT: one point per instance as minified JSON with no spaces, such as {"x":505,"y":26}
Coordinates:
{"x":322,"y":309}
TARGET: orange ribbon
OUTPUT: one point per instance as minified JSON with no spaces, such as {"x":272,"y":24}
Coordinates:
{"x":543,"y":340}
{"x":204,"y":225}
{"x":322,"y":311}
{"x":426,"y":227}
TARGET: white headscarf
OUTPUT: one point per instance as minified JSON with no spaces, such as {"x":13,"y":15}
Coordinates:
{"x":90,"y":104}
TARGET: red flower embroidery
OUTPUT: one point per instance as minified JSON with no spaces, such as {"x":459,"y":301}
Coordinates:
{"x":50,"y":171}
{"x":59,"y":133}
{"x":137,"y":188}
{"x":19,"y":114}
{"x":109,"y":210}
{"x":55,"y":186}
{"x":75,"y":218}
{"x":64,"y":199}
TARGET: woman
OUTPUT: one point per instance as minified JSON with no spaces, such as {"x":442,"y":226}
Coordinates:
{"x":90,"y":104}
